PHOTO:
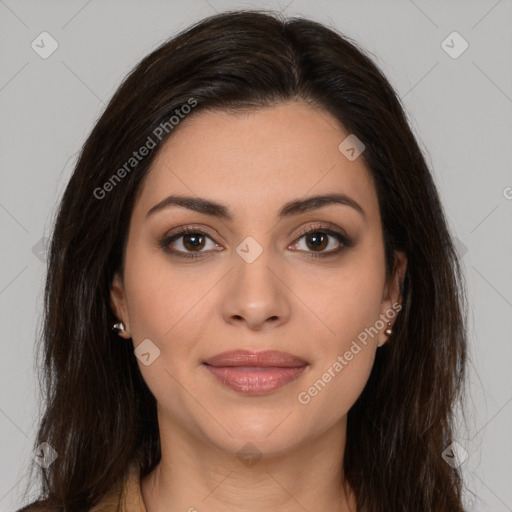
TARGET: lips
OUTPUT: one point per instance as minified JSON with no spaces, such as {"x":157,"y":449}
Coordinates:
{"x":255,"y":373}
{"x":266,"y":359}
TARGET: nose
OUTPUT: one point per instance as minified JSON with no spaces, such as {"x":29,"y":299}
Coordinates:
{"x":256,"y":295}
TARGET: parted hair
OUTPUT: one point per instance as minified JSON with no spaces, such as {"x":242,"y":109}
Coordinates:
{"x":98,"y":413}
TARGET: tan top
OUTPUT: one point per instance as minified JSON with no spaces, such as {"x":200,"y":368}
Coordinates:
{"x":125,"y":497}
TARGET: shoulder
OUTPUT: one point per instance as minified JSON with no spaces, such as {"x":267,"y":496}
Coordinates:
{"x":109,"y":503}
{"x":125,"y":495}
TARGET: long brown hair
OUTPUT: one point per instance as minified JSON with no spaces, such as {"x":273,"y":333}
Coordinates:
{"x":98,"y":412}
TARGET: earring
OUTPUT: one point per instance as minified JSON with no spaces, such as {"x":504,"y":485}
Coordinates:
{"x":119,"y":327}
{"x":388,"y":331}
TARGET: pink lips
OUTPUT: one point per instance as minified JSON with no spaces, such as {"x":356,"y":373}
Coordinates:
{"x":255,"y":373}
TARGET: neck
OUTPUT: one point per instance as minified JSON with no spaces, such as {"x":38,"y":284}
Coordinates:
{"x":195,"y":475}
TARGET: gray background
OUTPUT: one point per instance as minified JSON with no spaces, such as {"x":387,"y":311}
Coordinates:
{"x":460,"y":109}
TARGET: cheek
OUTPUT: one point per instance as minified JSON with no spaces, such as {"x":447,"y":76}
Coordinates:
{"x":156,"y":295}
{"x":350,"y":306}
{"x":171,"y":308}
{"x":348,"y":301}
{"x":345,"y":356}
{"x":337,"y":387}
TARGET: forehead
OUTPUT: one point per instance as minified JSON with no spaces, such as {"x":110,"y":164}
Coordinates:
{"x":257,"y":160}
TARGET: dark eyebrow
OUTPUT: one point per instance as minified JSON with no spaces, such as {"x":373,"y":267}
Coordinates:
{"x":295,"y":207}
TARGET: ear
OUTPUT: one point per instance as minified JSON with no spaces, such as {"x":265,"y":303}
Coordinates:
{"x":118,"y":304}
{"x":392,"y":297}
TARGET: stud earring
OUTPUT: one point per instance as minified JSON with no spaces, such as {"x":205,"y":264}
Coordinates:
{"x":119,"y":327}
{"x":388,"y":331}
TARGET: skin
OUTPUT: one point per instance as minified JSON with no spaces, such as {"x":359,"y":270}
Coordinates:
{"x":191,"y":309}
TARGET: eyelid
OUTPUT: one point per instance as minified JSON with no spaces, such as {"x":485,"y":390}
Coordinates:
{"x":317,"y":226}
{"x":189,"y":228}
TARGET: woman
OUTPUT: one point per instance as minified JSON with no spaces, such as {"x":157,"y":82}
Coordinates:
{"x":253,"y":300}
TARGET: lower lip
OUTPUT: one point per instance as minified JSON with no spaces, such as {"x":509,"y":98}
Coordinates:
{"x":255,"y":381}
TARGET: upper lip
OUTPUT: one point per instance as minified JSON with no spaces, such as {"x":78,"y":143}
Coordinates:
{"x":264,"y":358}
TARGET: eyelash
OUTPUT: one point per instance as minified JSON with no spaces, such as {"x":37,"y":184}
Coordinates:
{"x":341,"y":238}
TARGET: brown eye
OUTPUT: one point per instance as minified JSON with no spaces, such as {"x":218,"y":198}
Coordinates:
{"x":194,"y":241}
{"x":315,"y":242}
{"x":188,"y":243}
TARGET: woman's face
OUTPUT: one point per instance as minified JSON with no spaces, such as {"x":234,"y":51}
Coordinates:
{"x":246,"y":278}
